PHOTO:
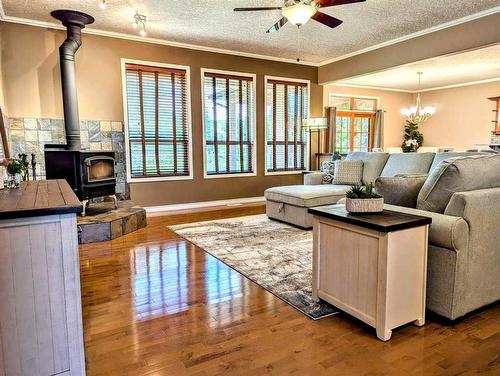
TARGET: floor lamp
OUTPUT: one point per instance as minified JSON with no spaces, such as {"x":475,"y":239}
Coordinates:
{"x":314,"y":124}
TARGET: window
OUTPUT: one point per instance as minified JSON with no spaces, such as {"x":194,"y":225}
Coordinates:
{"x":286,"y":109}
{"x":158,"y":128}
{"x":355,"y":122}
{"x":229,"y":123}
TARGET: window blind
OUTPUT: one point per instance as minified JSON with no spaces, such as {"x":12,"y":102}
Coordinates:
{"x":157,"y":108}
{"x":229,"y":123}
{"x":285,"y":112}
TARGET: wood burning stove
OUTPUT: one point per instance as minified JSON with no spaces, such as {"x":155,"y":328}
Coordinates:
{"x":91,"y":174}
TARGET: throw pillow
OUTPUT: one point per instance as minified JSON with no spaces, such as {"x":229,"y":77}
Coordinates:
{"x":400,"y":190}
{"x":327,"y":170}
{"x":348,"y":172}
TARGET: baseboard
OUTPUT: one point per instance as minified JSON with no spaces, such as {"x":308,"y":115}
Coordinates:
{"x":204,"y":204}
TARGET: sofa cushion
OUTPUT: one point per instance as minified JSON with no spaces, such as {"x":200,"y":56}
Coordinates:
{"x":373,"y":163}
{"x":348,"y":172}
{"x":399,"y":190}
{"x":443,"y":156}
{"x":307,"y":195}
{"x":460,"y":174}
{"x":407,"y":163}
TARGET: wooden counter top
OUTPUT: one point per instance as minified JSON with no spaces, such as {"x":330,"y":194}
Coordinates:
{"x":36,"y":198}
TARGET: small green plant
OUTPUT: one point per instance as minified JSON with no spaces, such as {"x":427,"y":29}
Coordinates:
{"x":15,"y":166}
{"x":363,"y":192}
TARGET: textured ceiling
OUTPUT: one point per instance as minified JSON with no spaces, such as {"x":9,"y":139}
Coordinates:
{"x":477,"y":65}
{"x":212,"y":23}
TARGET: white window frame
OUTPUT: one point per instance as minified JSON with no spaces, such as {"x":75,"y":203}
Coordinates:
{"x":131,"y":179}
{"x":306,"y":157}
{"x":330,"y":95}
{"x":254,"y":149}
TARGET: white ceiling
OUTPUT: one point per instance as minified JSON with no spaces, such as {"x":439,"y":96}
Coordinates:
{"x":472,"y":66}
{"x":212,"y":23}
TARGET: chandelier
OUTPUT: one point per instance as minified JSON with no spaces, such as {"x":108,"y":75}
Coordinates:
{"x":418,"y":114}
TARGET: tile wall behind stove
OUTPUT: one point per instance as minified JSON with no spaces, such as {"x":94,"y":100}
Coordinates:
{"x":29,"y":135}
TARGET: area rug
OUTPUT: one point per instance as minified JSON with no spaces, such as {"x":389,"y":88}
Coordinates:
{"x":274,"y":255}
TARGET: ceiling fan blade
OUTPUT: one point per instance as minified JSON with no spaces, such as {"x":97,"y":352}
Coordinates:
{"x":331,"y":3}
{"x":278,"y":25}
{"x":255,"y":9}
{"x":327,"y":20}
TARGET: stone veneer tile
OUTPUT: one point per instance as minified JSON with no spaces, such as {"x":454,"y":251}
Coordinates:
{"x":120,"y":187}
{"x":18,"y":148}
{"x":16,"y":123}
{"x":129,"y":224}
{"x":106,"y":146}
{"x":95,"y":146}
{"x":44,"y":124}
{"x":105,"y":126}
{"x":30,"y":135}
{"x":30,"y":123}
{"x":116,"y":228}
{"x":16,"y":135}
{"x":45,"y":136}
{"x":116,"y":126}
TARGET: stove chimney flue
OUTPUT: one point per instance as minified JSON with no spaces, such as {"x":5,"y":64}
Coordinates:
{"x":74,"y":22}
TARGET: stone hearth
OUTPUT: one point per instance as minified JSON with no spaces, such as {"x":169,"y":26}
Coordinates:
{"x":103,"y":222}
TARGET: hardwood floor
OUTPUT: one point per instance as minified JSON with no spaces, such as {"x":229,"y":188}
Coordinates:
{"x":154,"y":304}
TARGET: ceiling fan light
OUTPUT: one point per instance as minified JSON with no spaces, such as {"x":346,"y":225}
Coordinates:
{"x":298,"y":14}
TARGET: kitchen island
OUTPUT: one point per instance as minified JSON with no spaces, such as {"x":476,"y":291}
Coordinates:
{"x":40,"y":311}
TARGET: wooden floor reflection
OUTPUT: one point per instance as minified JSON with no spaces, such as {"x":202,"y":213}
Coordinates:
{"x":155,"y":304}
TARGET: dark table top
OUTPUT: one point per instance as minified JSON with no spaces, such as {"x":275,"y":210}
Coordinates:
{"x":385,"y":221}
{"x":35,"y":198}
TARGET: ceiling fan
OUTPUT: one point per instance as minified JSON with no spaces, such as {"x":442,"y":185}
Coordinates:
{"x":298,"y":12}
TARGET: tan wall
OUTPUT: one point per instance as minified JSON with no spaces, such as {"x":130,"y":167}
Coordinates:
{"x":463,"y":116}
{"x":32,"y":89}
{"x":474,"y":34}
{"x":390,"y":101}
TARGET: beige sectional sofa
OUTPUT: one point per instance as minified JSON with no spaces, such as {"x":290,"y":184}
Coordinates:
{"x":462,"y":196}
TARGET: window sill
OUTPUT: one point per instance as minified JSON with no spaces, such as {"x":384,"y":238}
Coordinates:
{"x":297,"y":172}
{"x":223,"y":176}
{"x":132,"y":180}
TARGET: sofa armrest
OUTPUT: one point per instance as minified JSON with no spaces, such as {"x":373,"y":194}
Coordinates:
{"x":313,"y":178}
{"x":480,"y":284}
{"x":481,"y":210}
{"x":445,"y":231}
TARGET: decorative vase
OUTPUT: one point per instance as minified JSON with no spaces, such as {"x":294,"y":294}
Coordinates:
{"x":14,"y":181}
{"x":364,"y":205}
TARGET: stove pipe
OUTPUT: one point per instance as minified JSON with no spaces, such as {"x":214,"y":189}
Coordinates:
{"x":74,"y":21}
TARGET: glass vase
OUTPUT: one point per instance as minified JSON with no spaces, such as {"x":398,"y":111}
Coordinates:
{"x":14,"y":181}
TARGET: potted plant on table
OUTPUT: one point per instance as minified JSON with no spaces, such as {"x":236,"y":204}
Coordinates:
{"x":363,"y":199}
{"x":15,"y":168}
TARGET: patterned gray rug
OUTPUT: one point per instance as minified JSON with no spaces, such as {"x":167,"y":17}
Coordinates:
{"x":274,"y":255}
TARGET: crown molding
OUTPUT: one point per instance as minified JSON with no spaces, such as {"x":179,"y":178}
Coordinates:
{"x":340,"y":84}
{"x":137,"y":38}
{"x":469,"y":83}
{"x":430,"y":30}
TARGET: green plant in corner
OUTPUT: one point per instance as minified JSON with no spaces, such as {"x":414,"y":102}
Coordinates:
{"x":412,"y":138}
{"x":362,"y":192}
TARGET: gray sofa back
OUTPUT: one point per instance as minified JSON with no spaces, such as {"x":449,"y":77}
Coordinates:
{"x":461,"y":174}
{"x":408,"y":163}
{"x":373,"y":163}
{"x":443,"y":156}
